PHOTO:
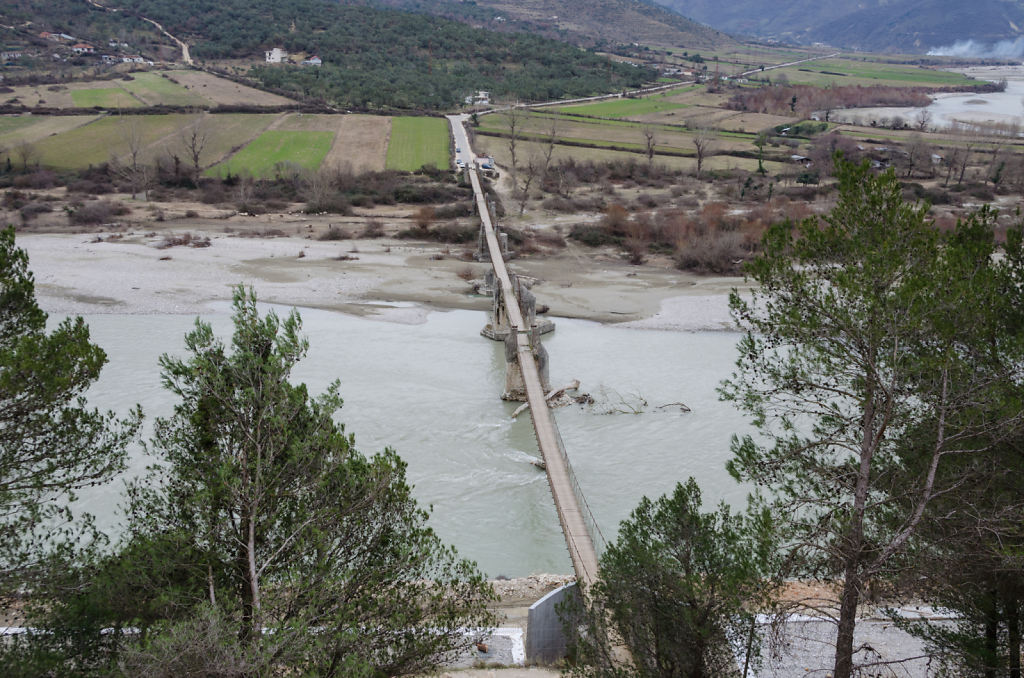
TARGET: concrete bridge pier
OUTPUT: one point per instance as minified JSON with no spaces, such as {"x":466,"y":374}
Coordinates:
{"x":515,"y":385}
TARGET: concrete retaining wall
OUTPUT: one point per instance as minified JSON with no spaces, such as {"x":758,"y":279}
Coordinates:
{"x":545,"y":632}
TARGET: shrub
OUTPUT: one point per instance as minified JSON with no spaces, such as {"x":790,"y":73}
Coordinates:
{"x":334,"y":233}
{"x":714,"y":251}
{"x":335,"y":203}
{"x":374,"y":229}
{"x":593,"y":235}
{"x":38,"y":179}
{"x":31,"y":211}
{"x":183,"y":240}
{"x":98,"y":212}
{"x":90,"y":187}
{"x":454,"y":210}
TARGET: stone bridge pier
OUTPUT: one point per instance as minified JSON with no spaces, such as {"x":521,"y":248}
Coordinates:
{"x":515,"y":386}
{"x":500,"y":328}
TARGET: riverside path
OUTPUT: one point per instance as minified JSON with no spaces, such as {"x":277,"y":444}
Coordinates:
{"x":566,"y":494}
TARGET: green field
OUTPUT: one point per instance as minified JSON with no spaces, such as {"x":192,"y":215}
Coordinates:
{"x":107,"y":137}
{"x":258,"y":159}
{"x":106,"y":97}
{"x":416,"y":142}
{"x":10,"y":124}
{"x":625,"y":108}
{"x":853,"y":72}
{"x":155,"y":90}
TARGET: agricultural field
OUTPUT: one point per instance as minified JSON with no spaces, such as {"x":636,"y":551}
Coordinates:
{"x":230,"y":141}
{"x":144,"y":88}
{"x":223,"y":134}
{"x":498,"y":149}
{"x":154,"y":90}
{"x":224,"y":92}
{"x":27,"y":129}
{"x":104,"y":97}
{"x":842,"y":71}
{"x":617,"y":134}
{"x":360,"y":141}
{"x":418,"y":141}
{"x":107,"y":137}
{"x":305,"y":149}
{"x":625,"y":108}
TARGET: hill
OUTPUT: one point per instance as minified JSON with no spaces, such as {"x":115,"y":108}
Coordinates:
{"x":914,"y":26}
{"x":597,"y":23}
{"x":373,"y":58}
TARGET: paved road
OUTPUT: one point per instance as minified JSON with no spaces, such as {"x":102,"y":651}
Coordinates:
{"x":463,"y":151}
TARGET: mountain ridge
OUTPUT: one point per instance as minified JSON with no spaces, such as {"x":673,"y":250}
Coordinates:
{"x":913,"y":26}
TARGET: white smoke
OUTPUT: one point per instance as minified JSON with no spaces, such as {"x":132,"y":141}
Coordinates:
{"x":1004,"y":49}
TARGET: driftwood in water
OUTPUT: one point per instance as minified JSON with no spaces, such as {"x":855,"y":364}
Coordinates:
{"x":572,"y":386}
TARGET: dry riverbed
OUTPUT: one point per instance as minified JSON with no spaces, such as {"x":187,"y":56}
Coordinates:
{"x":147,"y":266}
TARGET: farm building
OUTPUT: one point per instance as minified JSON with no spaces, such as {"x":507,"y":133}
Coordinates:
{"x":313,"y":61}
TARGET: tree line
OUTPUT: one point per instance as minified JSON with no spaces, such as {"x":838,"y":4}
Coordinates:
{"x":262,"y":543}
{"x":880,"y":360}
{"x":802,"y":100}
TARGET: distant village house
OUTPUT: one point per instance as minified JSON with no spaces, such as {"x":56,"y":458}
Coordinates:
{"x":313,"y":61}
{"x":481,"y":98}
{"x":276,"y":56}
{"x":56,"y":37}
{"x":10,"y":55}
{"x":82,"y":48}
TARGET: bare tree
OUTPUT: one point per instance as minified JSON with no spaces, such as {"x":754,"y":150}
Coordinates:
{"x":319,"y":191}
{"x":529,"y":173}
{"x":549,"y":143}
{"x":27,"y":154}
{"x":923,"y":120}
{"x":194,"y":139}
{"x":513,"y":120}
{"x":952,"y":160}
{"x":703,"y":143}
{"x":133,"y":170}
{"x":965,"y":157}
{"x":919,"y":154}
{"x":650,"y":141}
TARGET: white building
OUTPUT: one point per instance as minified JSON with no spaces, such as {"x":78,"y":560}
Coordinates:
{"x":276,"y":56}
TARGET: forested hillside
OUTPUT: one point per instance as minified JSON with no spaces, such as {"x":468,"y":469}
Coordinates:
{"x":373,"y":58}
{"x":601,"y":23}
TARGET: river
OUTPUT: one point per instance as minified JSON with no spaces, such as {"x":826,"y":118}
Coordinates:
{"x":431,"y":391}
{"x":993,"y":108}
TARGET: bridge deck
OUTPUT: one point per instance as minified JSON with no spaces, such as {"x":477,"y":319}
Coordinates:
{"x":577,"y":537}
